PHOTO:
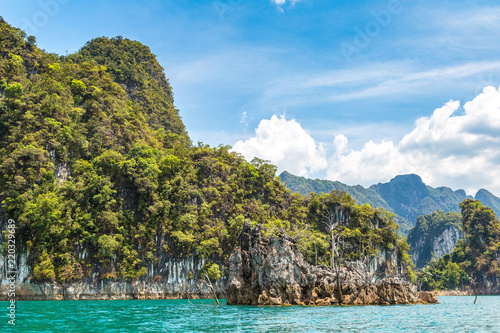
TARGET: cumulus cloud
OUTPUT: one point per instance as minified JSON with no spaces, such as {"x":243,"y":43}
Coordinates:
{"x":451,"y":147}
{"x":455,"y":147}
{"x":286,"y":144}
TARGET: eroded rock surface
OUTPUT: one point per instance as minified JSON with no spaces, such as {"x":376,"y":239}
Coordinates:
{"x":271,"y":271}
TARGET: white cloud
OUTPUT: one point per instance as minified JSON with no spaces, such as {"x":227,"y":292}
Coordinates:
{"x":244,"y":118}
{"x":373,"y":163}
{"x":448,"y":148}
{"x":281,"y":3}
{"x":286,"y":144}
{"x":378,"y":80}
{"x":454,"y":147}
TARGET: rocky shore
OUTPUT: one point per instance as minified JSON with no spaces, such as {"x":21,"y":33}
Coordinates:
{"x":108,"y":290}
{"x":271,"y":271}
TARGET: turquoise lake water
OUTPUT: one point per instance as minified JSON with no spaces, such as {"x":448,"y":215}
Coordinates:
{"x":454,"y":314}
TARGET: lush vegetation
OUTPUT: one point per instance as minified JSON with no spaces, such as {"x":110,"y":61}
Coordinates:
{"x":406,"y":196}
{"x":101,"y":177}
{"x":362,"y":230}
{"x":306,"y":186}
{"x":428,"y":228}
{"x":476,"y":257}
{"x":488,"y":199}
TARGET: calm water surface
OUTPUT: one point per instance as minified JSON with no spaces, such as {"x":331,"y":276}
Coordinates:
{"x":454,"y":314}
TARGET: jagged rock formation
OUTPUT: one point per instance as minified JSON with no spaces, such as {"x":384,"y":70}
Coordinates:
{"x":271,"y":271}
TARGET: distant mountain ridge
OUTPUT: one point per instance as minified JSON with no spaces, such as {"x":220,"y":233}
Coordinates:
{"x":405,"y":195}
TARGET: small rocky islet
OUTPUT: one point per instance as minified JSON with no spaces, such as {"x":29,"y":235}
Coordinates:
{"x":271,"y":271}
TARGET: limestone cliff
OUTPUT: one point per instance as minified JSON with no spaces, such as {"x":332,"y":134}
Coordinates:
{"x":271,"y":271}
{"x":435,"y":235}
{"x":171,"y":278}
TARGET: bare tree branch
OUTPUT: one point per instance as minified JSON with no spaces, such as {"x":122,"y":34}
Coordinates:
{"x":207,"y":281}
{"x":473,"y":285}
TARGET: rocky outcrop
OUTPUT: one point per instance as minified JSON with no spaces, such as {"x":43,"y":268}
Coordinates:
{"x":427,"y":297}
{"x":422,"y":249}
{"x":111,"y":290}
{"x":446,"y":242}
{"x":271,"y":271}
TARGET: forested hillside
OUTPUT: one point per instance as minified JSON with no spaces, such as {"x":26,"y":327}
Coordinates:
{"x":406,"y":195}
{"x":305,"y":186}
{"x":101,"y":177}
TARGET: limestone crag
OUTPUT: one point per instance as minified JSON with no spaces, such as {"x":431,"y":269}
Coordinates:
{"x":424,"y":248}
{"x":446,"y":242}
{"x":271,"y":271}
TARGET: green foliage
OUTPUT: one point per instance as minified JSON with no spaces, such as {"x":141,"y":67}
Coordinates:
{"x":403,"y":249}
{"x":133,"y":65}
{"x":99,"y":171}
{"x":78,"y":88}
{"x":108,"y":245}
{"x":442,"y":274}
{"x":55,"y":67}
{"x":212,"y":270}
{"x":315,"y":246}
{"x":44,"y":269}
{"x":14,"y":90}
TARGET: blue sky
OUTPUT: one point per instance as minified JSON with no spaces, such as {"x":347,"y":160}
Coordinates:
{"x":322,"y":88}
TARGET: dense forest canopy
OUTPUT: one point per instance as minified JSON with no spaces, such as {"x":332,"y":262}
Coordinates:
{"x":101,"y":177}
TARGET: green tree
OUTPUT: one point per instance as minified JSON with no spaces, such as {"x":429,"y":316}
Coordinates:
{"x":44,"y":270}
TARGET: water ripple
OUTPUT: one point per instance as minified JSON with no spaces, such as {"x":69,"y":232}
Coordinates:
{"x":454,"y":314}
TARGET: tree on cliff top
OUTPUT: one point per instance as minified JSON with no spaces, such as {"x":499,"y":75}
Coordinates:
{"x":482,"y":238}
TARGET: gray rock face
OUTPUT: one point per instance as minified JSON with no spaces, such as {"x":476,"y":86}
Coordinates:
{"x":272,"y":271}
{"x":170,"y":280}
{"x":444,"y":243}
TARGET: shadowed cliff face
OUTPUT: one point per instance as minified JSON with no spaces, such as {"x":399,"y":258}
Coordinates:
{"x":271,"y":271}
{"x":443,"y":243}
{"x":168,"y":280}
{"x":436,"y":235}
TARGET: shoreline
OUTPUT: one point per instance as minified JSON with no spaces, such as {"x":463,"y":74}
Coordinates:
{"x":453,"y":293}
{"x":462,"y":293}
